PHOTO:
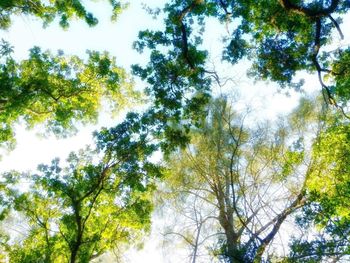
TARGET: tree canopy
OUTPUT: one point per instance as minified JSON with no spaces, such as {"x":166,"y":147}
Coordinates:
{"x":280,"y":38}
{"x":100,"y":201}
{"x":55,"y":89}
{"x":251,"y":179}
{"x":48,"y":11}
{"x":58,"y":90}
{"x":236,"y":183}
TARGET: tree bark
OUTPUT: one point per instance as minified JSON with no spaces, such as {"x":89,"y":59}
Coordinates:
{"x":77,"y":243}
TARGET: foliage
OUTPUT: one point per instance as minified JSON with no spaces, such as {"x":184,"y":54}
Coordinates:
{"x":330,"y":243}
{"x":280,"y":37}
{"x":58,"y":90}
{"x":47,"y":11}
{"x":55,"y":90}
{"x":251,"y":180}
{"x":328,"y":195}
{"x":98,"y":202}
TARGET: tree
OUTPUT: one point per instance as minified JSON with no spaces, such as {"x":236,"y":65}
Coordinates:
{"x":254,"y":179}
{"x":192,"y":223}
{"x":101,"y":200}
{"x":328,"y":195}
{"x":47,"y":11}
{"x":56,"y":90}
{"x":280,"y":37}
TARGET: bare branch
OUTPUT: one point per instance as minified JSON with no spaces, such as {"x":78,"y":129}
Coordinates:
{"x":335,"y":23}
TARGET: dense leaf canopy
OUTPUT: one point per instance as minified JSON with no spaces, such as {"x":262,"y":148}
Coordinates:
{"x":56,"y":90}
{"x":47,"y":11}
{"x":99,"y":202}
{"x":280,"y":38}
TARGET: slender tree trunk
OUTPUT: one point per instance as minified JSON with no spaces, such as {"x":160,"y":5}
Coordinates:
{"x":196,"y":243}
{"x":226,"y":222}
{"x":75,"y":248}
{"x":73,"y":255}
{"x":48,"y":244}
{"x":231,"y":249}
{"x":281,"y":218}
{"x":233,"y":252}
{"x":77,"y":243}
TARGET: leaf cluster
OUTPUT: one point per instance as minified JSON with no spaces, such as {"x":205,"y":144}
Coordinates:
{"x":58,"y":90}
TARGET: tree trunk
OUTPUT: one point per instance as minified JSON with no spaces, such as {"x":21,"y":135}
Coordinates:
{"x":196,"y":243}
{"x":75,"y":248}
{"x":77,"y":243}
{"x":232,"y":249}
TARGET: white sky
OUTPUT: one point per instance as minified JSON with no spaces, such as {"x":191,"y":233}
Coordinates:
{"x":117,"y":38}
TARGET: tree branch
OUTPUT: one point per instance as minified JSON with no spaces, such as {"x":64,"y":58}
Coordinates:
{"x":309,"y":12}
{"x":335,"y":23}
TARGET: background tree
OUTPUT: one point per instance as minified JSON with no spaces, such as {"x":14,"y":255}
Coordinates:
{"x":191,"y":222}
{"x":254,"y":179}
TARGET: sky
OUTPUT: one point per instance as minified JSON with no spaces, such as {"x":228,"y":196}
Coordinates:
{"x":117,"y":38}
